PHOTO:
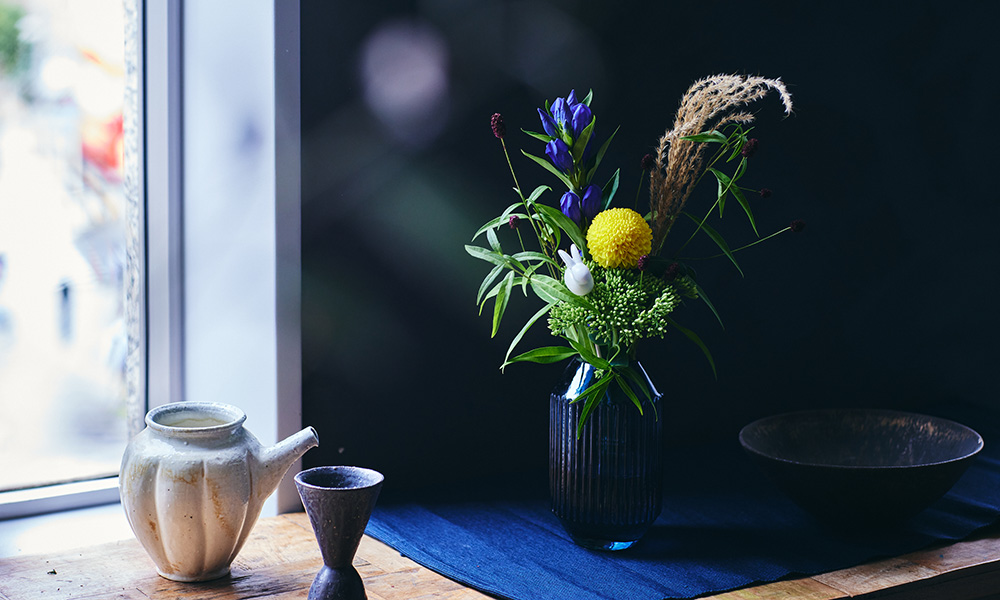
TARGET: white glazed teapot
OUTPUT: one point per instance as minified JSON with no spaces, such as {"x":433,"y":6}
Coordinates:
{"x":193,"y":483}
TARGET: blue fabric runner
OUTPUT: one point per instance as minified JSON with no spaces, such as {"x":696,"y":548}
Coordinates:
{"x":723,"y":526}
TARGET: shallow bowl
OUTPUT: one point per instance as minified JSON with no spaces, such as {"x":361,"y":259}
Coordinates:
{"x":861,"y":467}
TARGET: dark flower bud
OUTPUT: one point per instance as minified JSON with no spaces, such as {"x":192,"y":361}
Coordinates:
{"x":513,"y":221}
{"x":569,"y":204}
{"x":558,"y":152}
{"x":590,"y":203}
{"x":580,"y":117}
{"x":548,"y":124}
{"x":648,"y":162}
{"x":643,"y":262}
{"x":672,"y":271}
{"x":765,"y":192}
{"x":749,"y":147}
{"x":496,"y":122}
{"x":797,"y":225}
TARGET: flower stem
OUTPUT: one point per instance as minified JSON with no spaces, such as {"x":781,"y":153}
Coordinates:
{"x":735,"y":250}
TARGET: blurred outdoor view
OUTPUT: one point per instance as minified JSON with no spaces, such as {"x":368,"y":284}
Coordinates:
{"x":62,"y":232}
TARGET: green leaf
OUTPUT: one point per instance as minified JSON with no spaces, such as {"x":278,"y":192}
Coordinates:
{"x":738,"y":194}
{"x":503,"y":219}
{"x":488,"y":281}
{"x":581,"y":142}
{"x":724,"y":184}
{"x":550,"y":168}
{"x":727,"y":184}
{"x":629,"y":373}
{"x":628,"y":392}
{"x":721,"y":243}
{"x":707,"y":136}
{"x":487,"y":255}
{"x":552,"y":291}
{"x":491,"y":237}
{"x":697,"y":340}
{"x":600,"y":155}
{"x":530,"y":255}
{"x":555,"y":218}
{"x":594,"y":394}
{"x":520,"y":334}
{"x":500,"y":304}
{"x":537,"y":193}
{"x":609,"y":190}
{"x":590,"y":96}
{"x":588,"y":355}
{"x":704,"y":297}
{"x":539,"y":136}
{"x":546,"y":355}
{"x":490,"y":294}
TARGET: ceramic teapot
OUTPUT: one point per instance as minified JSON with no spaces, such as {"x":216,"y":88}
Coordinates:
{"x":193,"y":483}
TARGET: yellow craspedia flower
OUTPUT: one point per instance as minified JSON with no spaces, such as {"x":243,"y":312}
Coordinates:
{"x":618,"y":237}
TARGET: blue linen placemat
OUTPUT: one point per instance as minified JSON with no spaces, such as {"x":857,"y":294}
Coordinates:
{"x":723,"y":526}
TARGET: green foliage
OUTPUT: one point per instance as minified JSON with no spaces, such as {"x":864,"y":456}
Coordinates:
{"x":12,"y":50}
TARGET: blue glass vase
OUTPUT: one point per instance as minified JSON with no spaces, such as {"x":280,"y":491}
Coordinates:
{"x":606,"y":484}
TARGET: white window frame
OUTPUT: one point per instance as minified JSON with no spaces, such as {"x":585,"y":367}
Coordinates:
{"x":159,"y":82}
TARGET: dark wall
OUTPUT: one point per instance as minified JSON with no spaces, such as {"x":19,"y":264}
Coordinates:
{"x":886,"y":299}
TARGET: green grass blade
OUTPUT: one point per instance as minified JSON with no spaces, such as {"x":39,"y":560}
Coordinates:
{"x":488,"y":281}
{"x":487,"y":255}
{"x":520,"y":334}
{"x":721,"y":243}
{"x":609,"y":190}
{"x":628,"y":392}
{"x":550,"y":168}
{"x":557,"y":220}
{"x":697,"y":340}
{"x":544,"y":356}
{"x":500,"y":304}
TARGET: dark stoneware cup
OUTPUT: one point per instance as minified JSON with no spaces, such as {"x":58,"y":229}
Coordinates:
{"x":339,"y":501}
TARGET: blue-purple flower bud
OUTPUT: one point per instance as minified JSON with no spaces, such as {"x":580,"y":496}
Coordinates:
{"x":570,"y":206}
{"x":558,"y":153}
{"x":561,"y":112}
{"x":580,"y":119}
{"x":548,"y":124}
{"x":591,"y":202}
{"x":571,"y":99}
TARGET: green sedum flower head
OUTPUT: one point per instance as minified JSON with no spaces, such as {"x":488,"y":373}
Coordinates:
{"x":628,"y":305}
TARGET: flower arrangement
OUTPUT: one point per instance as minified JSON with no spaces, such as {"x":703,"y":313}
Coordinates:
{"x":603,"y":273}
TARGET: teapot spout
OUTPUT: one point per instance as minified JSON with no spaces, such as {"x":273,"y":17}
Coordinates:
{"x":273,"y":462}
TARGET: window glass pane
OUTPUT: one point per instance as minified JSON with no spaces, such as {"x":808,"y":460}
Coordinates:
{"x":62,"y":232}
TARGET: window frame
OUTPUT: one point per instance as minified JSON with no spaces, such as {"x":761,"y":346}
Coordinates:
{"x":155,"y":291}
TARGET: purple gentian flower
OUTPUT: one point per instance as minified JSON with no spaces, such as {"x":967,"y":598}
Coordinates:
{"x":580,"y":119}
{"x":558,"y":153}
{"x":571,"y":99}
{"x":548,"y":124}
{"x":591,"y":202}
{"x":561,"y":113}
{"x":570,"y":205}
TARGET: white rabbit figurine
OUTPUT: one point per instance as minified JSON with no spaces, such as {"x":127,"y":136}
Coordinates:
{"x":578,"y":278}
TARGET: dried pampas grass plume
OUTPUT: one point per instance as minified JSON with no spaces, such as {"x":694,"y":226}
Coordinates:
{"x":679,"y":162}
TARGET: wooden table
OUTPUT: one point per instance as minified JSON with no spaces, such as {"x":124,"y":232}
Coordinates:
{"x":281,"y":558}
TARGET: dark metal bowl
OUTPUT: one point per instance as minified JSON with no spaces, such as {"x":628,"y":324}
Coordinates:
{"x":861,"y":467}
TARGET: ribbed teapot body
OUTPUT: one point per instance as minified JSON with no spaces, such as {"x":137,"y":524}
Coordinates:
{"x":186,"y":487}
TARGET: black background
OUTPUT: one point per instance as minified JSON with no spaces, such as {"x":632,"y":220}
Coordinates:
{"x":885,"y":300}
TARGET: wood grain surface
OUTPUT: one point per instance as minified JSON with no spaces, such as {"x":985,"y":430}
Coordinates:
{"x":281,"y":558}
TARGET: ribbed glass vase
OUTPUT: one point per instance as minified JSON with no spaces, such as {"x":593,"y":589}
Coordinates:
{"x":606,"y":484}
